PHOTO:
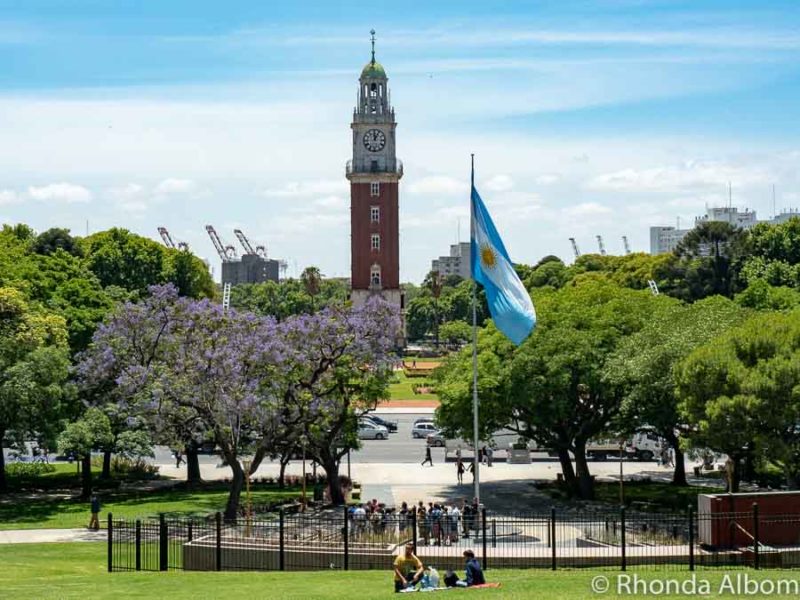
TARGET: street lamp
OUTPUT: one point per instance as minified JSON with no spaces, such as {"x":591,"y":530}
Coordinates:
{"x":247,"y":463}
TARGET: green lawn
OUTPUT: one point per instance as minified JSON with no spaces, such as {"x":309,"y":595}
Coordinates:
{"x":400,"y":389}
{"x":78,"y":571}
{"x":61,"y":512}
{"x":662,"y":496}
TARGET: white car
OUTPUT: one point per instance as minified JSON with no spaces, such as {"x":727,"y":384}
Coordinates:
{"x":370,"y":431}
{"x":423,"y":430}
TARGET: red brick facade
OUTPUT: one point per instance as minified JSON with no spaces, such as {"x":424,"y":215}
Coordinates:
{"x":362,"y":227}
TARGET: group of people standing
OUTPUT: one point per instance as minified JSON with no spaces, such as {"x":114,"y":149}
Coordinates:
{"x":440,"y":524}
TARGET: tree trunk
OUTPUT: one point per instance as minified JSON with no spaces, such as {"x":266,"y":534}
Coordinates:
{"x":737,"y":475}
{"x":331,"y":465}
{"x":679,"y":474}
{"x":106,"y":472}
{"x":585,"y":482}
{"x":3,"y":484}
{"x":237,"y":483}
{"x":192,"y":465}
{"x":567,"y":470}
{"x":86,"y":476}
{"x":284,"y":461}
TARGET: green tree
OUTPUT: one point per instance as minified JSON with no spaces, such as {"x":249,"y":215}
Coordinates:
{"x":311,"y":278}
{"x":81,"y":437}
{"x":33,"y":371}
{"x":711,"y":257}
{"x":455,"y":332}
{"x":119,"y":257}
{"x":741,"y":393}
{"x":54,"y":239}
{"x":551,"y":388}
{"x":189,"y":274}
{"x":644,"y":365}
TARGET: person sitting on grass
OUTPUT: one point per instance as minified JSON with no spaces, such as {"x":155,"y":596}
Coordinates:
{"x":408,"y":569}
{"x":474,"y":573}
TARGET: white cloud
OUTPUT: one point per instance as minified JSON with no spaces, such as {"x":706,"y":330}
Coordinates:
{"x":547,"y":179}
{"x":586,"y":209}
{"x":308,"y":188}
{"x":332,"y":203}
{"x":9,"y":197}
{"x":175,"y":186}
{"x":689,"y":175}
{"x":60,"y":192}
{"x":438,"y":184}
{"x":499,"y":183}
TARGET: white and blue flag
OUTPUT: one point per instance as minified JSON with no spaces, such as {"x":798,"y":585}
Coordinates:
{"x":509,"y":302}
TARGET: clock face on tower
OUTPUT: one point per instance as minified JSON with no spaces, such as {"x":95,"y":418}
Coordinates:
{"x":374,"y":140}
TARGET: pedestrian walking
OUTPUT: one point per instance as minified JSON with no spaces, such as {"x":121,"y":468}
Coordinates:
{"x":94,"y":505}
{"x":179,"y":459}
{"x":489,"y":456}
{"x":428,"y":457}
{"x":460,"y":471}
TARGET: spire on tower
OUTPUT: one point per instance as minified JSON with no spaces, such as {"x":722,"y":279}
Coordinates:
{"x":372,"y":33}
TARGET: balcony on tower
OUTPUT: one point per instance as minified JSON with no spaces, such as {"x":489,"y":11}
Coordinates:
{"x":374,"y":166}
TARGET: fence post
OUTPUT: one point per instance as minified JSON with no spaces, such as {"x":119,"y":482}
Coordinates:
{"x":494,"y":533}
{"x":346,"y":541}
{"x":218,"y":519}
{"x":756,"y":555}
{"x":483,"y":536}
{"x":414,"y":529}
{"x":110,"y":543}
{"x":553,"y":536}
{"x":163,"y":543}
{"x":691,"y":538}
{"x":138,"y":554}
{"x":622,"y":535}
{"x":189,"y":533}
{"x":281,"y":555}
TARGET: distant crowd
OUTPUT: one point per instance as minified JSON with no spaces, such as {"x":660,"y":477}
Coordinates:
{"x":437,"y":523}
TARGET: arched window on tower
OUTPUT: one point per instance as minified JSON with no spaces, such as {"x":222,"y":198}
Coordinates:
{"x":375,"y":277}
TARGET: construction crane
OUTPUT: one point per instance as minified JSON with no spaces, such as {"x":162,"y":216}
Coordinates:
{"x":575,"y":247}
{"x":226,"y":253}
{"x":248,"y":247}
{"x":244,"y":241}
{"x":625,"y":244}
{"x":167,"y":238}
{"x":601,"y":245}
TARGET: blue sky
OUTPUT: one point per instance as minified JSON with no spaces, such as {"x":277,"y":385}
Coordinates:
{"x":586,"y":118}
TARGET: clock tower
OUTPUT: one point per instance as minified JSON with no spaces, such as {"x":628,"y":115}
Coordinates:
{"x":374,"y":173}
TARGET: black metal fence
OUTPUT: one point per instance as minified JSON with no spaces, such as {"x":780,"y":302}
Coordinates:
{"x":336,"y":539}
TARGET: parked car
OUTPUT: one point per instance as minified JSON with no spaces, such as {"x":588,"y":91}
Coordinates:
{"x":422,"y":430}
{"x":371,"y":431}
{"x":422,"y":420}
{"x":390,"y":425}
{"x":435,"y":440}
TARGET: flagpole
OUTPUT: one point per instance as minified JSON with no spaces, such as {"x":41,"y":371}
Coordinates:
{"x":476,"y":462}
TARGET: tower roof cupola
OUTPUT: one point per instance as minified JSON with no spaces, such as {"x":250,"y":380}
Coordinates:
{"x":373,"y":69}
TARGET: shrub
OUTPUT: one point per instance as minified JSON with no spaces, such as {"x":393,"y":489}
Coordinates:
{"x":31,"y":470}
{"x":133,"y":469}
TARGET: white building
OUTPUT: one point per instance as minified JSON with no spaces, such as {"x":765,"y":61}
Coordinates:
{"x":457,"y":263}
{"x":665,"y":239}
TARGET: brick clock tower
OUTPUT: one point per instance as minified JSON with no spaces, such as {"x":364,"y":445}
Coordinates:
{"x":374,"y":173}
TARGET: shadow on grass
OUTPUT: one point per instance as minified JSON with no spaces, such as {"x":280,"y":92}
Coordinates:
{"x":29,"y":509}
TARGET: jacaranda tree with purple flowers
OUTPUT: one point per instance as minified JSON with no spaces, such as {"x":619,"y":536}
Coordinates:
{"x":251,"y":383}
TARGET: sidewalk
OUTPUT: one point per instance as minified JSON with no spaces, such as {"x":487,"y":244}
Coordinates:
{"x":38,"y":536}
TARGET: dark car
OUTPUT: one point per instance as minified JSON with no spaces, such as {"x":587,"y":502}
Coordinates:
{"x":390,"y":425}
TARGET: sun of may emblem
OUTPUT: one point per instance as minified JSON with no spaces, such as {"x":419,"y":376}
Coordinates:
{"x":487,"y":256}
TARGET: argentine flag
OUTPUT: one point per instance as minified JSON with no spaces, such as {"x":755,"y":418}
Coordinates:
{"x":509,"y":302}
